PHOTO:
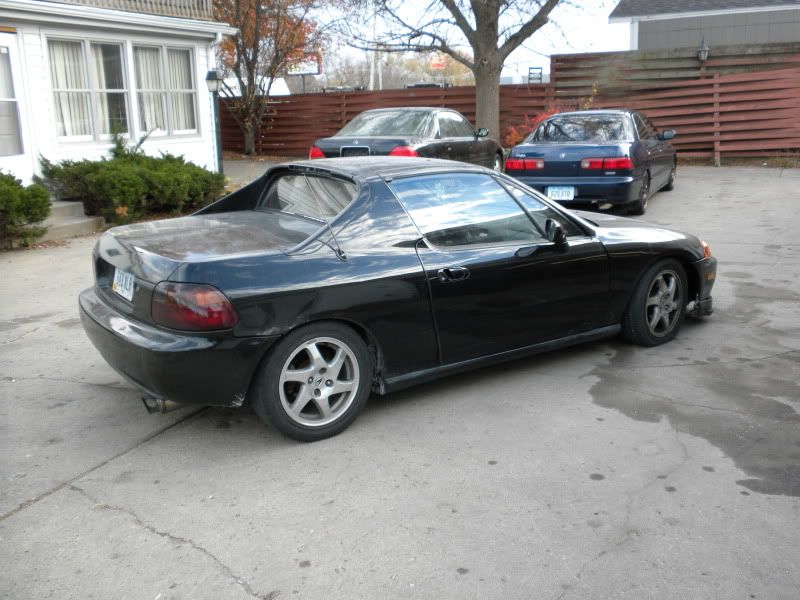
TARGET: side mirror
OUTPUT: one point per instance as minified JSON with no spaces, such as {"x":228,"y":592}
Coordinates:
{"x":555,"y":233}
{"x":667,"y":134}
{"x":482,"y":132}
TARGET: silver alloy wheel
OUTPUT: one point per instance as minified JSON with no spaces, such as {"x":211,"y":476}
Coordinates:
{"x":498,"y":163}
{"x":319,"y":382}
{"x":663,"y":303}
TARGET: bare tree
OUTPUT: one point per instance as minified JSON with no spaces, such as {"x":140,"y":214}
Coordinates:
{"x":273,"y":36}
{"x":490,"y":29}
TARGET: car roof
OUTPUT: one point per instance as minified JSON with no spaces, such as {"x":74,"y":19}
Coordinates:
{"x":410,"y":109}
{"x":597,"y":111}
{"x":365,"y":167}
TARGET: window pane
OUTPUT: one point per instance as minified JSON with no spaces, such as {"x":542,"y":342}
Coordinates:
{"x":107,"y":64}
{"x":463,"y":209}
{"x":179,"y":70}
{"x":6,"y":83}
{"x":182,"y":111}
{"x":388,"y":122}
{"x":72,"y":113}
{"x":10,"y":140}
{"x":113,"y":109}
{"x":151,"y":112}
{"x":67,"y":71}
{"x":147,"y":64}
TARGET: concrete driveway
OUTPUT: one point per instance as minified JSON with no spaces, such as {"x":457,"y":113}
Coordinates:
{"x":605,"y":471}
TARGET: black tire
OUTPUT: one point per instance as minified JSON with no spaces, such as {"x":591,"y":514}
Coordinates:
{"x":671,"y":181}
{"x":498,"y":163}
{"x":274,"y":398}
{"x":649,"y":297}
{"x":639,"y":207}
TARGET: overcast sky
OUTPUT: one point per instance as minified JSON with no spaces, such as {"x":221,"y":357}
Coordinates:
{"x":584,"y":29}
{"x":581,"y":30}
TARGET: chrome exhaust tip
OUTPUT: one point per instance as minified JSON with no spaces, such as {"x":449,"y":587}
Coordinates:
{"x":158,"y":405}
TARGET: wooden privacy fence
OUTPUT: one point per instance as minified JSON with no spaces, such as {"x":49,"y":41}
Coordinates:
{"x":743,"y":113}
{"x":298,"y":120}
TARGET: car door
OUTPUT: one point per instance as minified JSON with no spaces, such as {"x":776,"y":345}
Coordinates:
{"x":658,"y":161}
{"x":487,"y":296}
{"x":664,"y":154}
{"x":456,"y":134}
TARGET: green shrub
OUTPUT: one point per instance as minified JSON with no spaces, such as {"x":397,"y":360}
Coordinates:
{"x":20,"y":209}
{"x":130,"y":185}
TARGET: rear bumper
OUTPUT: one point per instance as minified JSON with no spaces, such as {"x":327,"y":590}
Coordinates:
{"x":706,"y":275}
{"x":213,"y":369}
{"x":590,"y":190}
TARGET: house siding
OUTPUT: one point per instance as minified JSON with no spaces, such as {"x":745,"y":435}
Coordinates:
{"x":768,"y":27}
{"x":38,"y":111}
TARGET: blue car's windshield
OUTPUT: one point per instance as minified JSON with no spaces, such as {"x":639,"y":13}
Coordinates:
{"x":596,"y":129}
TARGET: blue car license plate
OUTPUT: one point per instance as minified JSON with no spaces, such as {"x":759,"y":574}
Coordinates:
{"x":561,"y":192}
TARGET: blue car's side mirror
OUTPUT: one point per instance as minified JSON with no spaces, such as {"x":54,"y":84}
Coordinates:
{"x":667,"y":134}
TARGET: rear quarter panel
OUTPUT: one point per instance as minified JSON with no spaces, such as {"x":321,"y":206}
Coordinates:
{"x":380,"y":288}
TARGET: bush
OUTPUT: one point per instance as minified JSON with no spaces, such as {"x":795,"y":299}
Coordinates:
{"x":130,"y":185}
{"x":20,"y":209}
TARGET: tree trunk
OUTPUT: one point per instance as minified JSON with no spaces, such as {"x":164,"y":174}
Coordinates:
{"x":249,"y":132}
{"x":487,"y":98}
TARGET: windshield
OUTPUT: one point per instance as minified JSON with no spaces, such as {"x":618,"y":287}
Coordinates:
{"x":389,"y":122}
{"x":582,"y":128}
{"x":314,"y":197}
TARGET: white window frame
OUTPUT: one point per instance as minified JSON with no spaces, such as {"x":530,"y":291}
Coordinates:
{"x":165,"y":91}
{"x":93,"y":90}
{"x":15,"y":101}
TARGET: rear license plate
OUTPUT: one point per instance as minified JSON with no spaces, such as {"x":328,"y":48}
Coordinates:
{"x":561,"y":192}
{"x":123,"y":284}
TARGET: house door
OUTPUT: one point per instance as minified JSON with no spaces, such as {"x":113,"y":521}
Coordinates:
{"x":15,"y":153}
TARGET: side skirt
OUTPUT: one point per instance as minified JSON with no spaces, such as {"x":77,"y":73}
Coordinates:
{"x":407,"y":380}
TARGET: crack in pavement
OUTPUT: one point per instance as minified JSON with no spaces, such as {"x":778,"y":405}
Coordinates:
{"x":114,"y":385}
{"x":69,"y":482}
{"x":174,"y":538}
{"x":626,"y":524}
{"x":19,"y":337}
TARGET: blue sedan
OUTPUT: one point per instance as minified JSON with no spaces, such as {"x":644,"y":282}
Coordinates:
{"x":598,"y":157}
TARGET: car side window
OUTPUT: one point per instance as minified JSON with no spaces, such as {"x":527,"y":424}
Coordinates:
{"x":540,"y":212}
{"x":464,"y":209}
{"x":645,"y":131}
{"x":453,"y":125}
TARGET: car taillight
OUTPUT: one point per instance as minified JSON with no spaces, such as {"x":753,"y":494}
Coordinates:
{"x":315,"y":152}
{"x":403,"y":151}
{"x":607,"y":164}
{"x":613,"y":164}
{"x":191,"y":307}
{"x":524,"y":164}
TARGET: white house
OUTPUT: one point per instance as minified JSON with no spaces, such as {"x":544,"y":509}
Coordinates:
{"x":75,"y":71}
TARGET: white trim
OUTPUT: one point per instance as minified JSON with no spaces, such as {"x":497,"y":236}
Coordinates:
{"x":86,"y":16}
{"x":702,"y":13}
{"x":634,"y":41}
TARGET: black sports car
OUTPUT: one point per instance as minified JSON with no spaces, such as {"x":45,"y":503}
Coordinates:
{"x":323,"y":280}
{"x":599,"y":157}
{"x":425,"y":132}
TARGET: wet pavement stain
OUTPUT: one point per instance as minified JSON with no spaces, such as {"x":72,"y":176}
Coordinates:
{"x":597,"y":477}
{"x":747,"y":407}
{"x":723,"y":403}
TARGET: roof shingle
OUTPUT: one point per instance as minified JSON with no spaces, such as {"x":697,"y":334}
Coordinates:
{"x":642,"y":8}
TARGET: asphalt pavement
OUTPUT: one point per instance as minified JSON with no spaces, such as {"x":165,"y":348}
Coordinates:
{"x":602,"y":471}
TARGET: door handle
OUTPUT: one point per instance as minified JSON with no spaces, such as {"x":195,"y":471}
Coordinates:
{"x":451,"y":274}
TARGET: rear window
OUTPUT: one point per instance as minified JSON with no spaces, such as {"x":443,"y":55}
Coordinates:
{"x":314,"y":197}
{"x":389,"y":122}
{"x":583,"y":128}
